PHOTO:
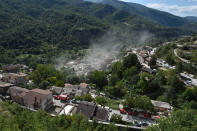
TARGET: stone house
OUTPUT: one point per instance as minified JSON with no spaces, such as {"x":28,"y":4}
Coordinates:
{"x":16,"y":79}
{"x":38,"y":99}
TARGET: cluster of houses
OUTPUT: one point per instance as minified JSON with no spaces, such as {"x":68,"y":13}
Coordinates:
{"x":35,"y":99}
{"x":144,"y":55}
{"x":12,"y":74}
{"x":89,"y":109}
{"x":164,"y":64}
{"x":11,"y":83}
{"x":71,"y":90}
{"x":188,"y":79}
{"x":161,"y":108}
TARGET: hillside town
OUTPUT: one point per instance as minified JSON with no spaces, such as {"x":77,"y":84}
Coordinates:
{"x":62,"y":100}
{"x":17,"y":85}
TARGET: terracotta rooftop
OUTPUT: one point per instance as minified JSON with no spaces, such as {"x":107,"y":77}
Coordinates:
{"x":13,"y":91}
{"x":3,"y":84}
{"x":38,"y":94}
{"x":66,"y":85}
{"x":83,"y":85}
{"x":40,"y":91}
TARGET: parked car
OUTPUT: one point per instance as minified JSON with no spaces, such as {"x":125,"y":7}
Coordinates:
{"x":132,"y":113}
{"x":144,"y":124}
{"x":123,"y":111}
{"x":146,"y":115}
{"x":136,"y":123}
{"x":74,"y":101}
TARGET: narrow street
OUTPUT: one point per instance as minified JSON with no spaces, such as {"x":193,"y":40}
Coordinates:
{"x":129,"y":118}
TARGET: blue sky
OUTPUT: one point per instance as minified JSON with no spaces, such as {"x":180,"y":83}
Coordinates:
{"x":176,"y":7}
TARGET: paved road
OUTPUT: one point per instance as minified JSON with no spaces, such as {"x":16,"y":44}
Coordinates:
{"x":129,"y":118}
{"x":183,"y":60}
{"x":121,"y":125}
{"x":58,"y":103}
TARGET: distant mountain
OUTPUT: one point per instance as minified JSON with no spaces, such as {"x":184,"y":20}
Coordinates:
{"x":34,"y":26}
{"x":191,"y":18}
{"x":160,"y":17}
{"x":32,"y":30}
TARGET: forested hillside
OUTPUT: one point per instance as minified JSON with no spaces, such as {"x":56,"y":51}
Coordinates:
{"x":191,"y":18}
{"x":15,"y":118}
{"x":48,"y":27}
{"x":160,"y":17}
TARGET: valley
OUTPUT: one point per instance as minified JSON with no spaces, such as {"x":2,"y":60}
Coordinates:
{"x":96,"y":65}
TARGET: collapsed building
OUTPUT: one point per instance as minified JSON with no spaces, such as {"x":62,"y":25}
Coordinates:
{"x":75,"y":90}
{"x":15,"y":78}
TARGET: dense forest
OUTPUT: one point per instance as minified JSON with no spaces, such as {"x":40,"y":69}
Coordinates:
{"x":40,"y":30}
{"x":163,"y":18}
{"x":35,"y":33}
{"x":14,"y":118}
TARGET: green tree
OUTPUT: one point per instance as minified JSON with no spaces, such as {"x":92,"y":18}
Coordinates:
{"x":46,"y":73}
{"x":130,"y":72}
{"x":52,"y":80}
{"x":130,"y":61}
{"x":101,"y":100}
{"x":117,"y":68}
{"x":116,"y":118}
{"x":179,"y":67}
{"x":139,"y":102}
{"x":174,"y":81}
{"x":169,"y":59}
{"x":99,"y":78}
{"x":160,"y":77}
{"x":86,"y":97}
{"x":44,"y":84}
{"x":188,"y":94}
{"x":179,"y":120}
{"x":37,"y":78}
{"x":153,"y":62}
{"x":113,"y":79}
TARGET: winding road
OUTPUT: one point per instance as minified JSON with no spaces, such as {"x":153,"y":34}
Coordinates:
{"x":183,"y":60}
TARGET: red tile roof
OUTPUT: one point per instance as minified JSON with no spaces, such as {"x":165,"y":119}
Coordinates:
{"x":3,"y":84}
{"x":37,"y":94}
{"x":83,"y":85}
{"x":45,"y":92}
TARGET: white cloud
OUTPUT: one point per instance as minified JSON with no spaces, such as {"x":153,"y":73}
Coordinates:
{"x":176,"y":9}
{"x":189,"y":0}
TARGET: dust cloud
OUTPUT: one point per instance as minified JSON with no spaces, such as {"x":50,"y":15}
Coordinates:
{"x":104,"y":51}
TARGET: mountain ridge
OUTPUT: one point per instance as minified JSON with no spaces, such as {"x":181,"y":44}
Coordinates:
{"x":161,"y":17}
{"x":50,"y":27}
{"x":191,"y":18}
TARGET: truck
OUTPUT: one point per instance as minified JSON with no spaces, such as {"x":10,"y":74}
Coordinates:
{"x":61,"y":97}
